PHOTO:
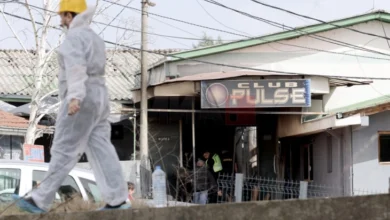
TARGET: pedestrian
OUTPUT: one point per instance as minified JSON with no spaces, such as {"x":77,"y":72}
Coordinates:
{"x":131,"y":190}
{"x":205,"y":184}
{"x":82,"y":124}
{"x":214,"y":163}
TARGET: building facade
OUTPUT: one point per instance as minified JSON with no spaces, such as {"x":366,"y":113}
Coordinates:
{"x":346,"y":69}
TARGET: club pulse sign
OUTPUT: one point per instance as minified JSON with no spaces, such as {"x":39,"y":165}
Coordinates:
{"x":255,"y":93}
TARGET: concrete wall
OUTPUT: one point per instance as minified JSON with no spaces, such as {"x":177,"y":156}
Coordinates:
{"x":341,"y":174}
{"x":368,"y":174}
{"x":320,"y":161}
{"x":357,"y":208}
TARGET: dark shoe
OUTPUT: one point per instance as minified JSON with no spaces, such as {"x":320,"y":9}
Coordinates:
{"x":124,"y":205}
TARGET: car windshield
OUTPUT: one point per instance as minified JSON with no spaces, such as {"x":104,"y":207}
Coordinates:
{"x":67,"y":189}
{"x":91,"y":189}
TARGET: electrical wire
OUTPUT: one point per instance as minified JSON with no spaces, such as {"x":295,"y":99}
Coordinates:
{"x":265,"y":41}
{"x":160,"y":35}
{"x":177,"y":20}
{"x":109,"y":25}
{"x":212,"y":17}
{"x":339,"y":43}
{"x":250,"y":68}
{"x":233,"y":66}
{"x":300,"y":31}
{"x":318,"y":20}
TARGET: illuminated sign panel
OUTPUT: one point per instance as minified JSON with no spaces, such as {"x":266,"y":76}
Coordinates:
{"x":255,"y":93}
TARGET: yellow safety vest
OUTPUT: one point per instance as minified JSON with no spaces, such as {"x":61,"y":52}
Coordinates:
{"x":217,"y":163}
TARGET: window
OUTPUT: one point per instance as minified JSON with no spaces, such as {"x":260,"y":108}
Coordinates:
{"x":329,"y":146}
{"x":67,"y":189}
{"x":9,"y":183}
{"x":308,"y":162}
{"x":11,"y":147}
{"x":91,"y":189}
{"x":384,"y":147}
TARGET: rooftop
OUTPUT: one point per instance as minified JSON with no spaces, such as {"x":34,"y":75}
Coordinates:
{"x":8,"y":120}
{"x":16,"y":72}
{"x":283,"y":35}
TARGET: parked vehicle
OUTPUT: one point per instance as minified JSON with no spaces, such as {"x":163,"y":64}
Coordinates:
{"x":19,"y":177}
{"x":6,"y":195}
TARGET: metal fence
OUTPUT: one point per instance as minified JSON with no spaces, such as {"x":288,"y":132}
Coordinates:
{"x":238,"y":188}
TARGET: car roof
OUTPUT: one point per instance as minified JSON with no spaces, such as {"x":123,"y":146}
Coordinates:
{"x":37,"y":164}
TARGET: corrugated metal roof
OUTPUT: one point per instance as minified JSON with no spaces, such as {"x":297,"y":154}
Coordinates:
{"x":16,"y":72}
{"x":283,"y":35}
{"x":233,"y":74}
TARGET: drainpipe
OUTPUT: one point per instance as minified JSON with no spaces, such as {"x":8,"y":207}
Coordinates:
{"x":351,"y":165}
{"x":339,"y":138}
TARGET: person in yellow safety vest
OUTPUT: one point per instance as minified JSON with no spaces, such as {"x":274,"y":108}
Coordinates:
{"x":214,"y":165}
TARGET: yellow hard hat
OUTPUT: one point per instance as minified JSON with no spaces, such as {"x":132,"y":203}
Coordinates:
{"x":76,"y":6}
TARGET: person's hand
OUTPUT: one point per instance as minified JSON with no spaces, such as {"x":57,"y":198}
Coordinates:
{"x":219,"y":193}
{"x":74,"y":107}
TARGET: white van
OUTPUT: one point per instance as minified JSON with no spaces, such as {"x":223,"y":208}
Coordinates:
{"x":18,"y":177}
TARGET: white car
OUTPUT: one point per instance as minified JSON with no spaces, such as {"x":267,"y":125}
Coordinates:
{"x":19,"y":177}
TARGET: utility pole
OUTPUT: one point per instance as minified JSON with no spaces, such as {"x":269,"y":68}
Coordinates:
{"x":144,"y":145}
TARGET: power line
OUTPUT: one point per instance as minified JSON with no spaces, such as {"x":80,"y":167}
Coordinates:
{"x":163,"y":23}
{"x":160,"y":35}
{"x":233,"y":66}
{"x":311,"y":35}
{"x":274,"y":23}
{"x":211,"y":16}
{"x":282,"y":26}
{"x":178,"y":20}
{"x":110,"y":25}
{"x":321,"y":21}
{"x":277,"y":25}
{"x":250,"y":68}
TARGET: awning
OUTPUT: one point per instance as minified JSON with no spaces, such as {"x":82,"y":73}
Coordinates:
{"x":6,"y":107}
{"x":291,"y":125}
{"x":190,"y":85}
{"x":232,"y":74}
{"x":45,"y":106}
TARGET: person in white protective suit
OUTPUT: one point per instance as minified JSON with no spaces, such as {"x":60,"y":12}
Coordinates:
{"x":82,"y":124}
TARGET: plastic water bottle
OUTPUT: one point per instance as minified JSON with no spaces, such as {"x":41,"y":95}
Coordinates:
{"x":159,"y":187}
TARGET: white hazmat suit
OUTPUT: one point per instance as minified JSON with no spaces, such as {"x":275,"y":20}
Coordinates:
{"x":82,"y":65}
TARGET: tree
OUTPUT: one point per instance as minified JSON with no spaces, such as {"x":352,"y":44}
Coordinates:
{"x":208,"y":41}
{"x":43,"y":52}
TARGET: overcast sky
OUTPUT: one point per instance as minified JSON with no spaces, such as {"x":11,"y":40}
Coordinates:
{"x":194,"y":11}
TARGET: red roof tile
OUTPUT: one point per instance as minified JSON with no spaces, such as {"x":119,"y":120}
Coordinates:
{"x":9,"y":120}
